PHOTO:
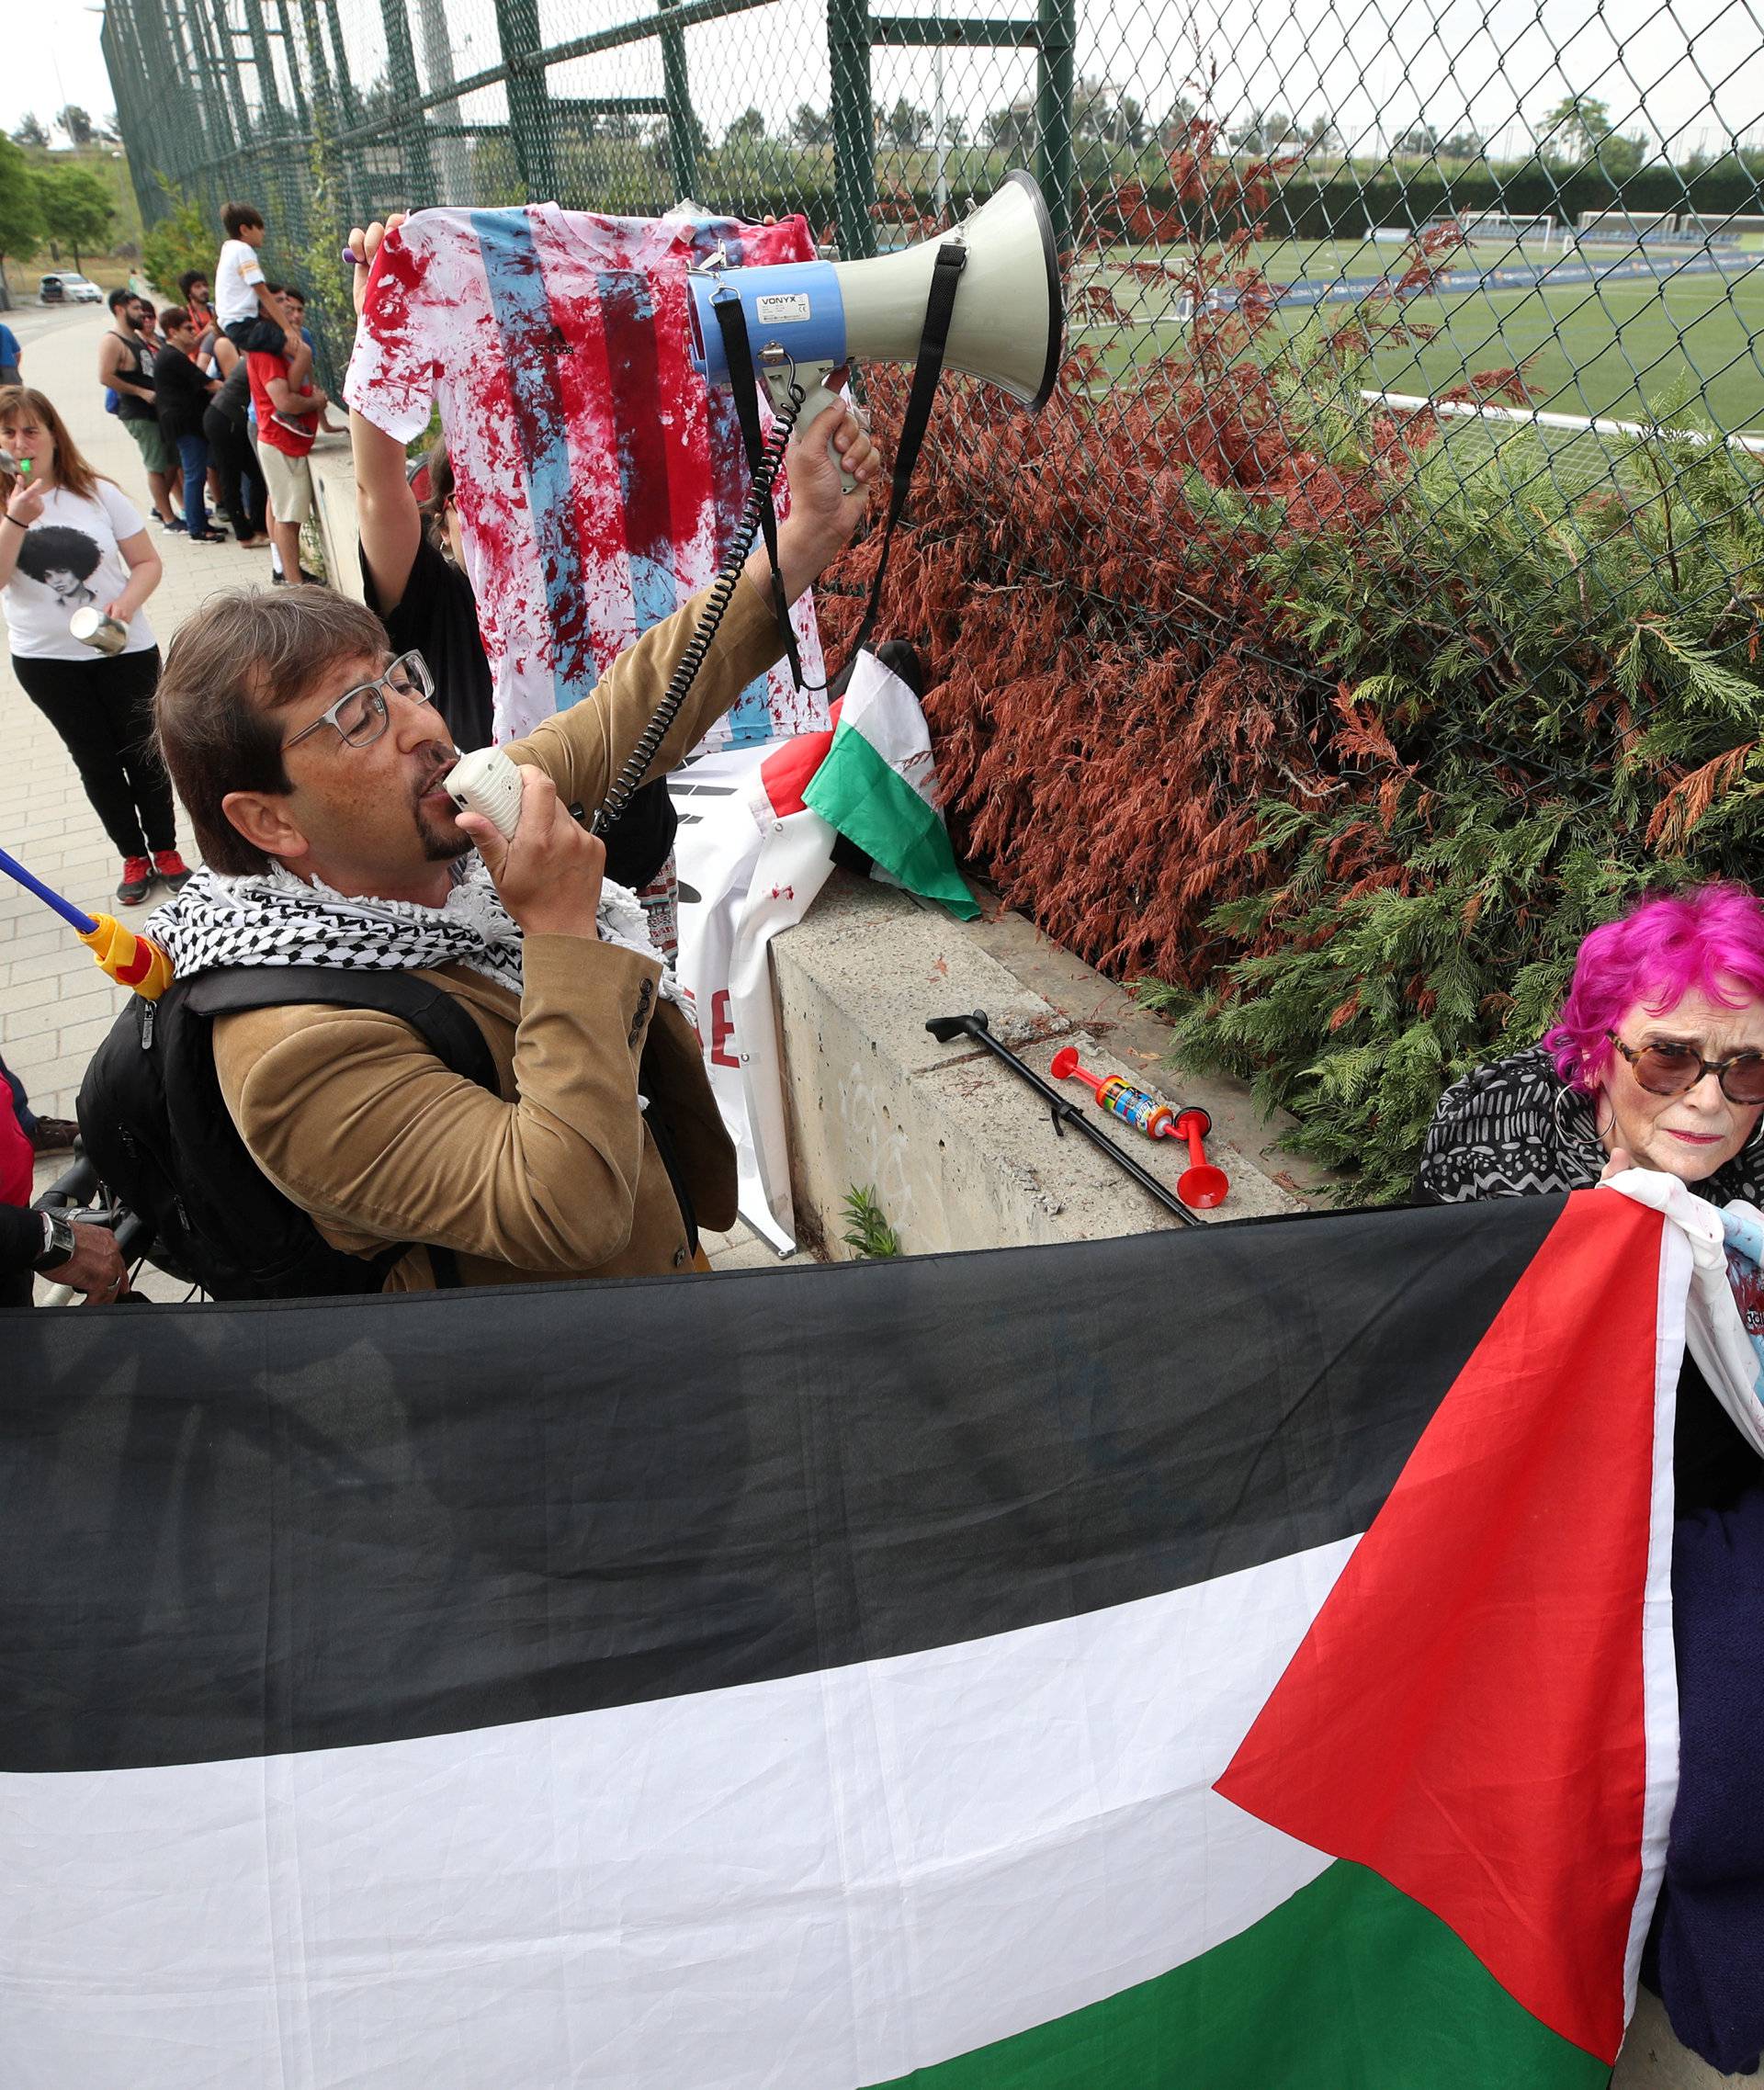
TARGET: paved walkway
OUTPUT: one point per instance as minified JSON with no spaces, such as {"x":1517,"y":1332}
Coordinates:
{"x":55,"y":1006}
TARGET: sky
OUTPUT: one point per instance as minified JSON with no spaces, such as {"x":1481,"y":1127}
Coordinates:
{"x":45,"y":38}
{"x":1680,"y":72}
{"x":1688,"y":73}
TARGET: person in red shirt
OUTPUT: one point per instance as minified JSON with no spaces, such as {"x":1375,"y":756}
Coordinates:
{"x":193,"y":287}
{"x":287,"y":420}
{"x":86,"y":1256}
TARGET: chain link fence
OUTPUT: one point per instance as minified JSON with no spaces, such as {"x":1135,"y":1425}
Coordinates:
{"x":1397,"y":522}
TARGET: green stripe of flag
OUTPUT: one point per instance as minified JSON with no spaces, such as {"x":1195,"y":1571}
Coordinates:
{"x":1348,"y":1985}
{"x":858,"y":791}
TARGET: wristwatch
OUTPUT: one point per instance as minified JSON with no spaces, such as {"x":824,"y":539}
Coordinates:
{"x":58,"y":1243}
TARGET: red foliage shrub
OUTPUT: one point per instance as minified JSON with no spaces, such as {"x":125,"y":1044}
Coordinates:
{"x":1112,"y":691}
{"x":1099,"y":757}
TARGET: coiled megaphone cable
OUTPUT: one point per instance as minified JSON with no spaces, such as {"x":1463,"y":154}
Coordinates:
{"x":722,"y":592}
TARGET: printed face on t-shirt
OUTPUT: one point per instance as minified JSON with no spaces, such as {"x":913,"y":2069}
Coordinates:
{"x":68,"y":585}
{"x":62,"y":558}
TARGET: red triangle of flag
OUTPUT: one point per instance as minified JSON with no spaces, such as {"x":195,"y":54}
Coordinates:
{"x":787,"y":774}
{"x":1467,"y":1714}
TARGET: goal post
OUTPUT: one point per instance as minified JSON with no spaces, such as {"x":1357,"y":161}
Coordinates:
{"x":1720,"y":229}
{"x":1489,"y":226}
{"x":1625,"y":228}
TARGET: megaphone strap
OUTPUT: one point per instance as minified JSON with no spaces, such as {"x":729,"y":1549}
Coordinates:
{"x":743,"y":378}
{"x":927,"y":371}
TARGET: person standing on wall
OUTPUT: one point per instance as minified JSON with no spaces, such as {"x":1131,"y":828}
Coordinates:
{"x":126,"y":369}
{"x":71,"y":540}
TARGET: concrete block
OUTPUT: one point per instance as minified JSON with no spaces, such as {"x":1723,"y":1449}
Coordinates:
{"x":960,"y":1152}
{"x":30,"y":940}
{"x":84,"y":1039}
{"x":879,"y":953}
{"x":53,"y":1082}
{"x":749,"y":1254}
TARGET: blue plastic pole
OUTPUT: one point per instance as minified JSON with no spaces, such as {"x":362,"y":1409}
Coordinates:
{"x":65,"y":908}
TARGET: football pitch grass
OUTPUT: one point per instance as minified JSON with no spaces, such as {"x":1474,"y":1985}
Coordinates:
{"x":1618,"y":350}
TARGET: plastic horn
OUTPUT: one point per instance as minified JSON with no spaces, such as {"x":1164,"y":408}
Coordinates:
{"x":946,"y":1029}
{"x":1200,"y":1184}
{"x":1143,"y":1111}
{"x":130,"y":960}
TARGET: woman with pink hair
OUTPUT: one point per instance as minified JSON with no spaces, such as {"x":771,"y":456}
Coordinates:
{"x":1655,"y":1061}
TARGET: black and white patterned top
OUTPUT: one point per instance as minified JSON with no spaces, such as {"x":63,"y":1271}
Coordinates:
{"x":1514,"y":1128}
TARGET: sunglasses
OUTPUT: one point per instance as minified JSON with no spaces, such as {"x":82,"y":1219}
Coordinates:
{"x":361,"y":715}
{"x":1670,"y":1069}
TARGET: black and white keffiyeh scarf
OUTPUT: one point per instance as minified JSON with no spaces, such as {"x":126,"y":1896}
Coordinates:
{"x":272,"y":918}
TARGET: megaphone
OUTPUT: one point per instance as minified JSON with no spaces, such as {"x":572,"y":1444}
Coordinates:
{"x":805,"y":319}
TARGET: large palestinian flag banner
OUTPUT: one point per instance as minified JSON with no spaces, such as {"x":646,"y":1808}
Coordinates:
{"x":1227,"y":1660}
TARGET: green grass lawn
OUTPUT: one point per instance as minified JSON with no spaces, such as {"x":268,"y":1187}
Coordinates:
{"x":1614,"y":350}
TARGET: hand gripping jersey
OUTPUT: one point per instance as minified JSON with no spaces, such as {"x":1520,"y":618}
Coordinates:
{"x":598,"y":480}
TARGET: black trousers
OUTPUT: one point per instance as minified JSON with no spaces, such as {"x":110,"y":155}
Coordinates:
{"x":241,"y":478}
{"x":103,"y":708}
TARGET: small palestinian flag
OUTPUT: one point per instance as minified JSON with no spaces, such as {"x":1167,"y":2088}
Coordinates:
{"x":878,"y":786}
{"x":1232,"y":1659}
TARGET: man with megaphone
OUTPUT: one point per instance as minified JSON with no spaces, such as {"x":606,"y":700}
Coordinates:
{"x":312,"y":766}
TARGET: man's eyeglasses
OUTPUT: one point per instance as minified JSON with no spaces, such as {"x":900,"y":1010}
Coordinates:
{"x":361,"y":715}
{"x":1671,"y":1069}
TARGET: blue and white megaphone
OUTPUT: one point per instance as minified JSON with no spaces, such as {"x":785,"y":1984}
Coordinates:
{"x":805,"y":319}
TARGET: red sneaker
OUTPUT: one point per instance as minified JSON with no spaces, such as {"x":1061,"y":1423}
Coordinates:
{"x":170,"y":868}
{"x":137,"y":880}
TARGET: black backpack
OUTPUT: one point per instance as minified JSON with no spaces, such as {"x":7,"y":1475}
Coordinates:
{"x":158,"y":1131}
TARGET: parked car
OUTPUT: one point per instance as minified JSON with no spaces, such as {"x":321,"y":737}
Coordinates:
{"x":62,"y":287}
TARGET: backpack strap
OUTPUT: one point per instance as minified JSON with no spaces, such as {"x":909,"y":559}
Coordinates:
{"x":432,"y":1013}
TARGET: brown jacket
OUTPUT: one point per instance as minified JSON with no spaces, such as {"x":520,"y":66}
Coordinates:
{"x":353,"y":1117}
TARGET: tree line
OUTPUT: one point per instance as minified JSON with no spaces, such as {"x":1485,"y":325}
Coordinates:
{"x":53,"y":203}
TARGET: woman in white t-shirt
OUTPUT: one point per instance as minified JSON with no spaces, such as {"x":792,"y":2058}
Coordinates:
{"x":71,"y":540}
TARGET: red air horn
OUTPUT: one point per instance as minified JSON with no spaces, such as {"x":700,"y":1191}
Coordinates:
{"x":1115,"y":1092}
{"x":1202,"y":1184}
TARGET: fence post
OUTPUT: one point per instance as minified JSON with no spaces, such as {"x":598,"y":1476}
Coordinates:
{"x":209,"y":30}
{"x":128,"y":70}
{"x":683,"y":137}
{"x":412,"y":123}
{"x":269,"y":94}
{"x":1054,"y":167}
{"x":854,"y":126}
{"x":169,"y":147}
{"x":529,"y":110}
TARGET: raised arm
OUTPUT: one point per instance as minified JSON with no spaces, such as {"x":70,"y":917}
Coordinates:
{"x":584,"y":749}
{"x":389,"y":517}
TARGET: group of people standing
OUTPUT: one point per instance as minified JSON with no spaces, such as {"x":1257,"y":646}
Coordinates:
{"x":216,"y":396}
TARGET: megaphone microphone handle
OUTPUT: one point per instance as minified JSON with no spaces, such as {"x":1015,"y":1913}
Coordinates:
{"x":819,"y":400}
